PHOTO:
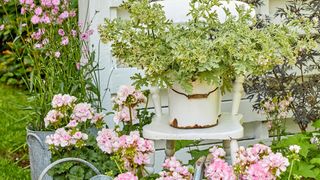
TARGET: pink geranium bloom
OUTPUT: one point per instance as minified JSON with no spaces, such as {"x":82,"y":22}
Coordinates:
{"x":64,"y":15}
{"x":56,"y":2}
{"x":46,"y":19}
{"x":73,"y":33}
{"x":65,"y":41}
{"x":84,"y":36}
{"x":126,"y":176}
{"x":57,"y":54}
{"x":38,"y":11}
{"x":61,"y":32}
{"x":35,"y":19}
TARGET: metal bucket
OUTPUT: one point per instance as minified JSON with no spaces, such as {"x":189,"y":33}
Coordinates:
{"x":39,"y":154}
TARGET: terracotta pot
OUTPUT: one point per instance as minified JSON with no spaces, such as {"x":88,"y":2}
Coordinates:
{"x":199,"y":109}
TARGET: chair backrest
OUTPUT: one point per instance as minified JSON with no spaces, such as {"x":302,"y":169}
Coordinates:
{"x":177,"y":10}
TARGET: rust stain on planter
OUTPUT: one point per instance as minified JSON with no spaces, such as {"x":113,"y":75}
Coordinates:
{"x":174,"y":123}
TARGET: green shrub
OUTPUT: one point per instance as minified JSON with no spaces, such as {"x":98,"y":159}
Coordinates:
{"x":14,"y":65}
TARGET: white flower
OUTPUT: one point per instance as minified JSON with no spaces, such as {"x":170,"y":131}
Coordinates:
{"x":295,"y":148}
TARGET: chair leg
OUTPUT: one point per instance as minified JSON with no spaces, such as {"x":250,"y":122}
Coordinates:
{"x":233,"y":150}
{"x":226,"y":147}
{"x":231,"y":147}
{"x":170,"y":148}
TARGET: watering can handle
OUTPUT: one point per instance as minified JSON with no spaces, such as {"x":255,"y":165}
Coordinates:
{"x":29,"y":135}
{"x":44,"y":172}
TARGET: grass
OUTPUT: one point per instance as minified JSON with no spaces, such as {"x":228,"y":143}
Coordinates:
{"x":13,"y":149}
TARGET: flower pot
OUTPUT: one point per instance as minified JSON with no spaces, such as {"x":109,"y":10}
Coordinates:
{"x":39,"y":154}
{"x":199,"y":109}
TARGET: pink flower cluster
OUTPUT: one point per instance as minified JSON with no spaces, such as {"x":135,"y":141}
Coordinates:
{"x":219,"y":168}
{"x":125,"y":102}
{"x":62,"y":104}
{"x":259,"y":162}
{"x":53,"y":117}
{"x":53,"y":13}
{"x":126,"y":145}
{"x":64,"y":138}
{"x":174,"y":170}
{"x":64,"y":100}
{"x":82,"y":112}
{"x":126,"y":176}
{"x":277,"y":107}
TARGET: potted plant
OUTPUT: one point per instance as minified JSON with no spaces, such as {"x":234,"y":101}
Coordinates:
{"x":197,"y":59}
{"x":58,"y":49}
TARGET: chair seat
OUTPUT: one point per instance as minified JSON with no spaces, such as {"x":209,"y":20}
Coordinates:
{"x":229,"y":127}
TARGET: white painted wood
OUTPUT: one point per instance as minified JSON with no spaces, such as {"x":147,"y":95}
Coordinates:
{"x":181,"y":16}
{"x":229,"y":127}
{"x":237,"y":94}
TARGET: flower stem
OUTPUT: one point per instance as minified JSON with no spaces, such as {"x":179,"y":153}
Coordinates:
{"x":289,"y":177}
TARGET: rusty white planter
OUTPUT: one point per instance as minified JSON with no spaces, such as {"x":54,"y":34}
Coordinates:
{"x":39,"y":153}
{"x":199,"y":109}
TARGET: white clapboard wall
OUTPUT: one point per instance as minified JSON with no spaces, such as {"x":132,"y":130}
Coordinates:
{"x":114,"y":75}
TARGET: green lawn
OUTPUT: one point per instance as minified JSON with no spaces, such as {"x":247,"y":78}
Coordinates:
{"x":13,"y":119}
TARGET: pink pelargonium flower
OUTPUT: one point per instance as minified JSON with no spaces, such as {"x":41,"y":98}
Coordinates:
{"x":123,"y":93}
{"x":45,"y":19}
{"x":97,"y":117}
{"x":72,"y":124}
{"x":35,"y":19}
{"x":57,"y":54}
{"x":23,"y":11}
{"x":84,"y":36}
{"x":45,"y":41}
{"x":38,"y":46}
{"x":124,"y":115}
{"x":141,"y":158}
{"x":60,"y":100}
{"x":106,"y":140}
{"x":217,"y":152}
{"x":53,"y":116}
{"x":46,"y":3}
{"x":65,"y":41}
{"x":174,"y":170}
{"x":72,"y":13}
{"x":258,"y":172}
{"x":276,"y":163}
{"x":38,"y":11}
{"x":219,"y":169}
{"x":82,"y":112}
{"x":56,"y":2}
{"x":1,"y":27}
{"x":64,"y":15}
{"x":29,"y":2}
{"x":126,"y":176}
{"x":61,"y":32}
{"x":73,"y":33}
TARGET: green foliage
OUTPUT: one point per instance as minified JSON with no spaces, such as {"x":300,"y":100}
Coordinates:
{"x":13,"y":149}
{"x":300,"y":79}
{"x":202,"y":49}
{"x":305,"y":165}
{"x":195,"y":153}
{"x":15,"y":66}
{"x":73,"y":71}
{"x":74,"y":170}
